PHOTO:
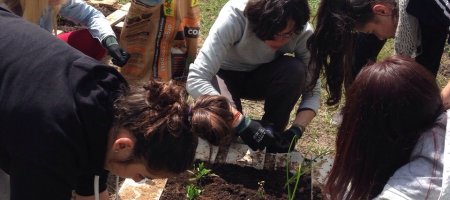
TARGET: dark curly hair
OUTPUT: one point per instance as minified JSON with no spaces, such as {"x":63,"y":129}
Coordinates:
{"x":269,"y":17}
{"x":166,"y":127}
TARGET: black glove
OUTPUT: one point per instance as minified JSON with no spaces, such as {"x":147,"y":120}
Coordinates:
{"x":119,"y":56}
{"x":284,"y":140}
{"x":254,"y":134}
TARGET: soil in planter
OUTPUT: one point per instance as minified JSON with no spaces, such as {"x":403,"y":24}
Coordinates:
{"x":231,"y":182}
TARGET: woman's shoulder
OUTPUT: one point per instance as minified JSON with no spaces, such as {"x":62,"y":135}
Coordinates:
{"x":422,"y":176}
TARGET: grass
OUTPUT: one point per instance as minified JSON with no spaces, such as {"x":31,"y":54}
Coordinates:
{"x":209,"y":9}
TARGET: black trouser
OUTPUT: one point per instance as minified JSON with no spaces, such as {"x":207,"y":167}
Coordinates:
{"x":367,"y":48}
{"x":433,"y":36}
{"x":433,"y":42}
{"x":279,"y":83}
{"x":434,"y":26}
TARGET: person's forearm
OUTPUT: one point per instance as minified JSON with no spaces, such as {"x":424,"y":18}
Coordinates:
{"x":445,"y":94}
{"x":304,"y":117}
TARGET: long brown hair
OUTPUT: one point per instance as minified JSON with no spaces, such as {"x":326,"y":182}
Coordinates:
{"x":388,"y":107}
{"x":166,"y":127}
{"x":333,"y":41}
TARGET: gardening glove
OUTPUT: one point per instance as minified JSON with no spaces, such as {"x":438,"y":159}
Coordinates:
{"x":254,"y":134}
{"x":119,"y":56}
{"x":284,"y":140}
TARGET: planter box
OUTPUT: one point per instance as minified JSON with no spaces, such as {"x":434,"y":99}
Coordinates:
{"x":236,"y":156}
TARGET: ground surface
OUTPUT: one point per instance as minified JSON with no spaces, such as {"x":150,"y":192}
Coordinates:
{"x":231,"y":182}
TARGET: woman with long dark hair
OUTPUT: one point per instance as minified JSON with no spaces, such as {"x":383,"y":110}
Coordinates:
{"x":392,"y":135}
{"x":351,"y":33}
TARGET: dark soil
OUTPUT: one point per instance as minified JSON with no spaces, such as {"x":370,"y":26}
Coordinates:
{"x":231,"y":182}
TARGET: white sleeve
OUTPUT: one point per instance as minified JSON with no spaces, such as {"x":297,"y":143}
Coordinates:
{"x":421,"y":178}
{"x":226,"y":30}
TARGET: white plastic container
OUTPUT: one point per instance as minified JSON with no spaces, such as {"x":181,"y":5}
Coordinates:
{"x":242,"y":155}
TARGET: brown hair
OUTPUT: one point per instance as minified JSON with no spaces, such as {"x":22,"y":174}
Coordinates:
{"x":166,"y":127}
{"x":388,"y":107}
{"x":333,"y":42}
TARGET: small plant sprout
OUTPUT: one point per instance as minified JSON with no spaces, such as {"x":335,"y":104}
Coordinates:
{"x":200,"y":172}
{"x":261,"y":192}
{"x":294,"y":179}
{"x":193,"y":192}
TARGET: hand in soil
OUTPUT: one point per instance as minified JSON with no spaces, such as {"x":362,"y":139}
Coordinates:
{"x":255,"y":135}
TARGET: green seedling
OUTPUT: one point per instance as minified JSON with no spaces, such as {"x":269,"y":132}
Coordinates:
{"x":200,"y":172}
{"x":296,"y":178}
{"x":261,"y":192}
{"x":193,"y":192}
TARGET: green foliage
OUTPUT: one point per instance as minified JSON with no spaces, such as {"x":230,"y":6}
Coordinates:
{"x":296,"y":178}
{"x":193,"y":192}
{"x":123,"y":1}
{"x":209,"y":9}
{"x":313,"y":5}
{"x":200,"y":172}
{"x":261,"y":193}
{"x":387,"y":50}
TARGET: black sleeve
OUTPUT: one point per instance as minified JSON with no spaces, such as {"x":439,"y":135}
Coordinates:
{"x":434,"y":21}
{"x":367,"y":48}
{"x":434,"y":12}
{"x":95,"y":96}
{"x":55,"y":112}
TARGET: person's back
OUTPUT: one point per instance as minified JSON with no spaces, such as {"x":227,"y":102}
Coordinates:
{"x":392,"y":134}
{"x":40,"y":96}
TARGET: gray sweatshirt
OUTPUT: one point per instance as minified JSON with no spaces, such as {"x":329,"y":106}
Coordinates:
{"x":418,"y":179}
{"x":232,"y":45}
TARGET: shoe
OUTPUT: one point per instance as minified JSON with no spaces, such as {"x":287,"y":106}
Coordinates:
{"x":336,"y":119}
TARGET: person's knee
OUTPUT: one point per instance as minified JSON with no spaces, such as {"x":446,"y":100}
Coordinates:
{"x":294,"y":70}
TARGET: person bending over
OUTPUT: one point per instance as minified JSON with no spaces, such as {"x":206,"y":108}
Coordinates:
{"x":391,"y":143}
{"x":256,"y":50}
{"x":350,"y":33}
{"x":66,"y":119}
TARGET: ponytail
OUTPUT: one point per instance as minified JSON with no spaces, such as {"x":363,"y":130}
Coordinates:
{"x":211,"y":117}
